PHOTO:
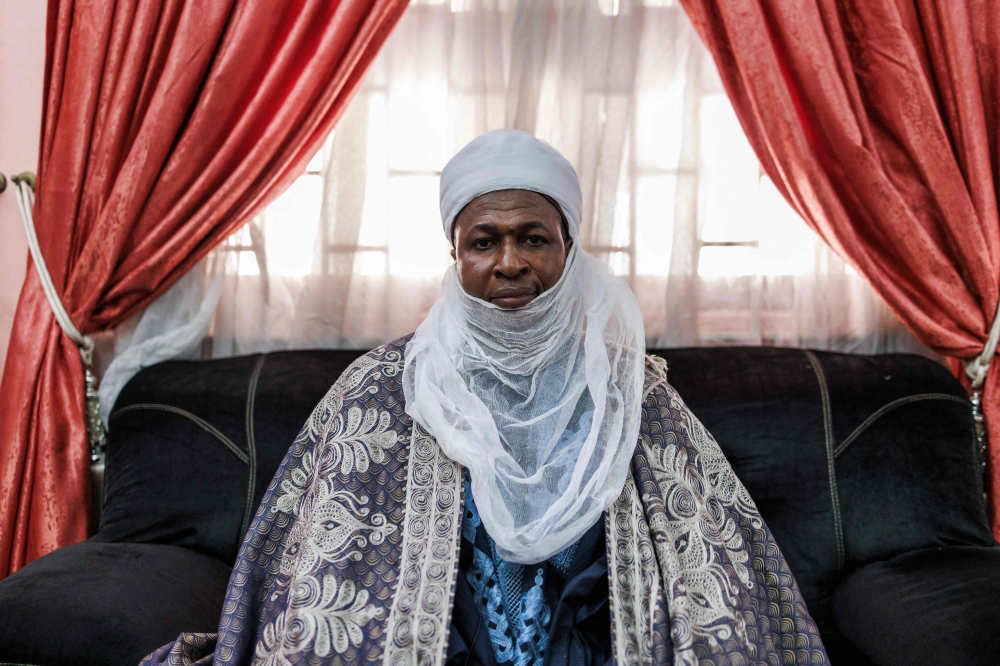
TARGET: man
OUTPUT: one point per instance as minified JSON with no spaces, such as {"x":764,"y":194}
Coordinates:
{"x":516,"y":483}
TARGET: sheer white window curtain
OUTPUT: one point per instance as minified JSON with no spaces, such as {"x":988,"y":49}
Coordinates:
{"x":352,"y":255}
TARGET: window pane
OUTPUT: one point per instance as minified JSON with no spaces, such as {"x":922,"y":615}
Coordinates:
{"x":418,"y":93}
{"x":729,"y":175}
{"x":654,"y":216}
{"x":659,"y":120}
{"x":316,"y":163}
{"x":240,"y":261}
{"x":727,"y":261}
{"x":240,"y":237}
{"x":373,"y":216}
{"x":418,"y":118}
{"x":417,"y":246}
{"x":610,"y":7}
{"x":246,"y":263}
{"x":787,"y":244}
{"x":291,"y":224}
{"x":370,"y":263}
{"x":619,"y":262}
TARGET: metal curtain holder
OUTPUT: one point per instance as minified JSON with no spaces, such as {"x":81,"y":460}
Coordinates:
{"x":24,"y":185}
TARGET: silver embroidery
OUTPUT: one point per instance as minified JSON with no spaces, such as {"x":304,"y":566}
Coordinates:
{"x":656,"y":374}
{"x":294,"y":485}
{"x":359,"y":378}
{"x":329,"y":523}
{"x":268,"y":651}
{"x":326,"y":410}
{"x":324,"y":616}
{"x":356,"y":442}
{"x":417,"y":631}
{"x":384,"y":363}
{"x":697,"y":494}
{"x":634,"y":578}
{"x":333,"y":525}
{"x":327,"y":615}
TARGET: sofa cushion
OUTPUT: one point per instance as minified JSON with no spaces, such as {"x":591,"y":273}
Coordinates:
{"x":932,"y":606}
{"x":907,"y":469}
{"x":849,"y":458}
{"x":99,"y":604}
{"x":192,"y":446}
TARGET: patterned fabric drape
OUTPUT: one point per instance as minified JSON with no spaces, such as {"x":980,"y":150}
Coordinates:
{"x":166,"y":125}
{"x":878,"y":120}
{"x":353,"y":554}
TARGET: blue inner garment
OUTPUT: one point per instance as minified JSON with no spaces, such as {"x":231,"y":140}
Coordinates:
{"x":553,"y":612}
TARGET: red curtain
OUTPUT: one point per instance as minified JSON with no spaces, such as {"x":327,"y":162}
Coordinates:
{"x":878,"y":121}
{"x":166,"y":125}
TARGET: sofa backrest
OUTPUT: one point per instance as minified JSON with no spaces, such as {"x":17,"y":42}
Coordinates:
{"x":850,"y":458}
{"x":192,"y":445}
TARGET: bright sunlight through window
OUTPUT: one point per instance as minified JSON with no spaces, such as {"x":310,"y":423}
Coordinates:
{"x":745,"y":227}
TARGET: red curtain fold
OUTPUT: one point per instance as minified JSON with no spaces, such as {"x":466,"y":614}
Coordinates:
{"x":878,"y":121}
{"x":166,"y":125}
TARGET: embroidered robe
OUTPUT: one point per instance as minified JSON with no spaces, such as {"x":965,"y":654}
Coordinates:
{"x":352,"y":556}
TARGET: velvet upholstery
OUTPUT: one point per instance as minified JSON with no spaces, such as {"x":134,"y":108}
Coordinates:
{"x":889,"y":609}
{"x":892,"y":435}
{"x":910,"y":479}
{"x":176,"y":476}
{"x":107,"y":604}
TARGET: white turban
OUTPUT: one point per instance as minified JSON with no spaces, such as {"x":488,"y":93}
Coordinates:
{"x":509,"y":160}
{"x":540,"y":403}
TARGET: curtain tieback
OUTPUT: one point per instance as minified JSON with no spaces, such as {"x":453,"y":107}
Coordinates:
{"x":976,"y":369}
{"x":95,"y":427}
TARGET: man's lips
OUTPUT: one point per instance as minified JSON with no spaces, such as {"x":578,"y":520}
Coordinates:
{"x":513,"y":298}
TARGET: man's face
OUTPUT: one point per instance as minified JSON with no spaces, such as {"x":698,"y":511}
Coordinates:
{"x":509,"y":247}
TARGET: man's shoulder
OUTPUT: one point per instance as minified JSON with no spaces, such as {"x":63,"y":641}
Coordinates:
{"x":390,"y":349}
{"x":382,"y":362}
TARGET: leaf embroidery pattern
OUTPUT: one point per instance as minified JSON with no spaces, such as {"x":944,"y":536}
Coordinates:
{"x":327,"y":616}
{"x":324,"y":617}
{"x":358,"y":441}
{"x":294,"y":486}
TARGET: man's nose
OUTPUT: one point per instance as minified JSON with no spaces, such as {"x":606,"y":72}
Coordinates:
{"x":510,"y":264}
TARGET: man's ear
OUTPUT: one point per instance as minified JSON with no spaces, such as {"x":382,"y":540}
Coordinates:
{"x":454,"y":258}
{"x":569,"y":246}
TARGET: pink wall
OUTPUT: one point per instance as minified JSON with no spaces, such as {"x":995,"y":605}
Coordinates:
{"x":22,"y":68}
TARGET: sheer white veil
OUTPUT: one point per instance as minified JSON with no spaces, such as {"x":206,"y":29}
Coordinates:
{"x":540,"y":403}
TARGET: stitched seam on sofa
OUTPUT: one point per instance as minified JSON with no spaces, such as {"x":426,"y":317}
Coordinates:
{"x":251,"y":443}
{"x":204,"y":425}
{"x":885,"y":409}
{"x":838,"y":525}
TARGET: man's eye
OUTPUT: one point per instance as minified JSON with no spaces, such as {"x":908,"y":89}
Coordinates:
{"x":481,"y":244}
{"x":534,"y":240}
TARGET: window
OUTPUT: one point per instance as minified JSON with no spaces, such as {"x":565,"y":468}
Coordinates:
{"x":675,"y":201}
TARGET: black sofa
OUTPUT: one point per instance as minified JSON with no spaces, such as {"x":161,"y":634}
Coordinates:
{"x":865,"y":468}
